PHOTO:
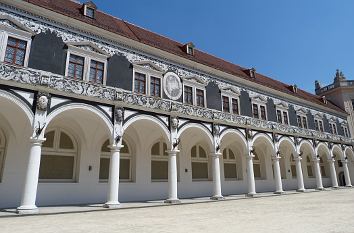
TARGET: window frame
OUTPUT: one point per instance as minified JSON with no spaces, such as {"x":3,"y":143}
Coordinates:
{"x":88,"y":56}
{"x":20,"y":34}
{"x":161,"y":158}
{"x":199,"y":159}
{"x":319,"y":126}
{"x":302,"y":115}
{"x":333,"y":127}
{"x":64,"y":152}
{"x":148,"y":74}
{"x":194,"y":85}
{"x":230,"y":161}
{"x":231,"y":97}
{"x":282,"y":111}
{"x":107,"y":155}
{"x":259,"y":104}
{"x":345,"y":131}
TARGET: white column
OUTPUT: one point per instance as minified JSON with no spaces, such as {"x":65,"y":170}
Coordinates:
{"x":348,"y":182}
{"x":216,"y":177}
{"x":277,"y":176}
{"x":113,"y":179}
{"x":316,"y":162}
{"x":250,"y":176}
{"x":333,"y":173}
{"x":172,"y":177}
{"x":299,"y":175}
{"x":28,"y":201}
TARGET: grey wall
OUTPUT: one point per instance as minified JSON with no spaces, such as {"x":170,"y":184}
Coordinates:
{"x":271,"y":112}
{"x":213,"y":96}
{"x":326,"y":125}
{"x":292,"y":115}
{"x":339,"y":128}
{"x":48,"y":53}
{"x":119,"y":72}
{"x":310,"y":121}
{"x":245,"y":104}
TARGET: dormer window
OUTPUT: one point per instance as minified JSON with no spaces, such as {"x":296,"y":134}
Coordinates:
{"x":189,"y":48}
{"x":89,"y":9}
{"x":90,"y":12}
{"x":293,"y":88}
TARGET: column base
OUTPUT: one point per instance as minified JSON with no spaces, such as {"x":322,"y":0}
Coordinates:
{"x":27,"y":210}
{"x":335,"y":187}
{"x":111,"y":205}
{"x":349,"y":186}
{"x":320,"y":189}
{"x":172,"y":201}
{"x":217,"y":198}
{"x":279,"y":192}
{"x":251,"y":194}
{"x":301,"y":190}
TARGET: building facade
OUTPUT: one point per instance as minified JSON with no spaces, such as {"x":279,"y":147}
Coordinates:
{"x":97,"y":110}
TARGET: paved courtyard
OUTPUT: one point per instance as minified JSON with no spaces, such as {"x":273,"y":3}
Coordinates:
{"x":326,"y":211}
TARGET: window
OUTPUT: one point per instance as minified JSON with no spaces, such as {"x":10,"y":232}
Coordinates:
{"x":194,"y":92}
{"x":322,"y":166}
{"x":319,"y":125}
{"x":90,"y":12}
{"x":200,"y":97}
{"x":159,"y":162}
{"x":230,"y":104}
{"x":230,"y":167}
{"x":225,"y":104}
{"x":59,"y":157}
{"x":76,"y":67}
{"x":124,"y":165}
{"x":301,"y":121}
{"x":96,"y":72}
{"x":200,"y":166}
{"x":86,"y":62}
{"x":155,"y":86}
{"x":15,"y":51}
{"x":282,"y":117}
{"x":309,"y":167}
{"x":139,"y":83}
{"x":2,"y":152}
{"x":345,"y":131}
{"x":333,"y":127}
{"x":259,"y":111}
{"x":257,"y":167}
{"x":293,"y":166}
{"x":188,"y":95}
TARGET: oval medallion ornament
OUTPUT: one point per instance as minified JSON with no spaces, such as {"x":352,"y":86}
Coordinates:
{"x":172,"y":86}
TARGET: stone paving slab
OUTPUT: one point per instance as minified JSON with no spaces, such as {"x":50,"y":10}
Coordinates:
{"x":50,"y":210}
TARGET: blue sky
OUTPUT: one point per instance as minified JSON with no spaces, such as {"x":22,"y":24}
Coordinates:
{"x":295,"y":41}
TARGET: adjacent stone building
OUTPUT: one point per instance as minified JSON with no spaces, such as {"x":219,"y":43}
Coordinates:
{"x":92,"y":106}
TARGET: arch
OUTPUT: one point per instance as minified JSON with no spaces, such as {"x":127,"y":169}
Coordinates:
{"x":324,"y":147}
{"x":154,"y":120}
{"x":348,"y":151}
{"x":81,"y":106}
{"x":287,"y":140}
{"x":197,"y":126}
{"x":337,"y":149}
{"x":307,"y":144}
{"x":19,"y":103}
{"x":234,"y":132}
{"x":259,"y":136}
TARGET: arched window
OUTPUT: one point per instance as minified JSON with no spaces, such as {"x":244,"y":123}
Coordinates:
{"x":124,"y":163}
{"x":322,"y":166}
{"x":309,"y":167}
{"x":200,"y":167}
{"x":230,"y":168}
{"x":159,"y":162}
{"x":257,"y":167}
{"x":2,"y":153}
{"x":293,"y":166}
{"x":59,"y":157}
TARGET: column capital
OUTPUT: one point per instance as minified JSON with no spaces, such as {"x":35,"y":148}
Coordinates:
{"x":35,"y":140}
{"x":115,"y":147}
{"x":344,"y":161}
{"x":172,"y":152}
{"x":331,"y":160}
{"x":216,"y":154}
{"x":297,"y":158}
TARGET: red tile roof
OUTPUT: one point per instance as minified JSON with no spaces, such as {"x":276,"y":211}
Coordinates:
{"x":123,"y":28}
